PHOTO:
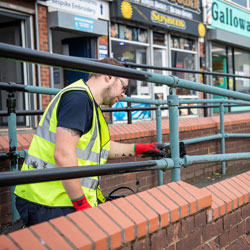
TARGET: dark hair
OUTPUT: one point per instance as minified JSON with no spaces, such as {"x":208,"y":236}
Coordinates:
{"x":107,"y":60}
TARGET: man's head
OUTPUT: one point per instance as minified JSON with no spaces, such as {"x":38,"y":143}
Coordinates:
{"x":108,"y":89}
{"x":107,"y":60}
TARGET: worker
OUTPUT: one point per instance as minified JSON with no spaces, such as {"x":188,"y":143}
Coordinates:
{"x":73,"y":132}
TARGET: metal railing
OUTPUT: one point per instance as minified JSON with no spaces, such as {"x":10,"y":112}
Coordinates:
{"x":75,"y":63}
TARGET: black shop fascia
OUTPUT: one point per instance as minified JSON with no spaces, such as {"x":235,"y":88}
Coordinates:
{"x":153,"y":17}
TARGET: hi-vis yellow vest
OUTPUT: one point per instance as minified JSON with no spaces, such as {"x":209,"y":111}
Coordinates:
{"x":92,"y":149}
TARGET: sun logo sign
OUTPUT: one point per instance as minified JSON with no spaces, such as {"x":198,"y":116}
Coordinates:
{"x":126,"y":9}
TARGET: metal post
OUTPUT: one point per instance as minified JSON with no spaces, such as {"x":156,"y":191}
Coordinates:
{"x":173,"y":103}
{"x":159,"y":139}
{"x":11,"y":105}
{"x":222,"y":131}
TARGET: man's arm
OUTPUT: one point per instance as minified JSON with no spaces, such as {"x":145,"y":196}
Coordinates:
{"x":118,"y":150}
{"x":65,"y":156}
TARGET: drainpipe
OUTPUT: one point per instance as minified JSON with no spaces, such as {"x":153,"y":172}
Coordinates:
{"x":38,"y":48}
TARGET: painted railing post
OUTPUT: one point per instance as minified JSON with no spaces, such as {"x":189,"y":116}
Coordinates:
{"x":222,"y":131}
{"x":173,"y":103}
{"x":159,"y":139}
{"x":11,"y":105}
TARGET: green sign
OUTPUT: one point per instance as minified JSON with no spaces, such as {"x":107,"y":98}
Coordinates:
{"x":230,"y":18}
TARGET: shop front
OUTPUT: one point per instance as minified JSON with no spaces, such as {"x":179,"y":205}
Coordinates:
{"x":229,"y":45}
{"x":159,"y":33}
{"x":16,"y":28}
{"x":76,"y":28}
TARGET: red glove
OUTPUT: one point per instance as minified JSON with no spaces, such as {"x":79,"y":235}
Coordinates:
{"x":149,"y":149}
{"x":80,"y":203}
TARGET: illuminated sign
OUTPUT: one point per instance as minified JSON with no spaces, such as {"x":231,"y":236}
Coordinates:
{"x":230,"y":18}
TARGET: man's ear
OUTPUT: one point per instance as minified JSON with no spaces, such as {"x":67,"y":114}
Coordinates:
{"x":108,"y":78}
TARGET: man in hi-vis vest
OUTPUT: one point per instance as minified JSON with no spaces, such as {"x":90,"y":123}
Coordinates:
{"x":73,"y":132}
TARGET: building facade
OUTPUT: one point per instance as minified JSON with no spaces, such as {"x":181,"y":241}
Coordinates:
{"x":228,"y":44}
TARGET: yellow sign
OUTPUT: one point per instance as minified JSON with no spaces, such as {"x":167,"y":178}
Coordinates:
{"x":126,"y":9}
{"x":167,"y":20}
{"x":201,"y":30}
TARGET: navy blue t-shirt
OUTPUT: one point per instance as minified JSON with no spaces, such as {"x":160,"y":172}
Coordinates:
{"x":75,"y":111}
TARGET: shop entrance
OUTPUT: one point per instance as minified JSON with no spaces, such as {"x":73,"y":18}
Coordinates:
{"x":219,"y":65}
{"x":10,"y":70}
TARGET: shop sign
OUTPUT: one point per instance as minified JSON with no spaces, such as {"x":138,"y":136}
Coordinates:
{"x":130,"y":11}
{"x":190,"y":9}
{"x":103,"y":51}
{"x":91,"y":8}
{"x":83,"y":23}
{"x":227,"y":17}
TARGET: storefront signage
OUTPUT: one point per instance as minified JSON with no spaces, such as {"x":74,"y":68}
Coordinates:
{"x":91,"y":8}
{"x":83,"y":23}
{"x":130,"y":11}
{"x":190,"y":9}
{"x":230,"y":18}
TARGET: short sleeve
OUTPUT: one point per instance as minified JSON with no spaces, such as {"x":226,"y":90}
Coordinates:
{"x":75,"y":111}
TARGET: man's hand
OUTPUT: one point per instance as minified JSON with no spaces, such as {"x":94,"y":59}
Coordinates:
{"x":149,"y":149}
{"x":81,"y":203}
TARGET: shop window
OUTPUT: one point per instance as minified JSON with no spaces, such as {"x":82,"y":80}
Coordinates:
{"x":241,"y":2}
{"x":242,"y":67}
{"x":130,"y":33}
{"x":183,"y":57}
{"x":158,"y":39}
{"x":182,"y":43}
{"x":128,"y":52}
{"x":183,"y":60}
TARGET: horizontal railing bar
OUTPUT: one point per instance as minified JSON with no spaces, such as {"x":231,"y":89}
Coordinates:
{"x":75,"y":63}
{"x":181,"y":83}
{"x":144,"y":66}
{"x":68,"y":62}
{"x":23,"y":177}
{"x":128,"y":109}
{"x":189,"y":160}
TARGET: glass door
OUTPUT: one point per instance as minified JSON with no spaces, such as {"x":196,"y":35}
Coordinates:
{"x":10,"y":70}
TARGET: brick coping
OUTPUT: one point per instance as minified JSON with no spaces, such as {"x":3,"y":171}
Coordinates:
{"x":118,"y":222}
{"x":120,"y":132}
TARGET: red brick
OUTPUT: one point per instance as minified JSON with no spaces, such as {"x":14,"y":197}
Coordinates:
{"x":203,"y":196}
{"x":130,"y":211}
{"x":187,"y":225}
{"x":150,"y":214}
{"x":228,"y":192}
{"x":26,"y":240}
{"x":51,"y":238}
{"x":232,"y":219}
{"x":157,"y":207}
{"x":183,"y":205}
{"x":173,"y":233}
{"x":212,"y":229}
{"x":192,"y":241}
{"x":165,"y":201}
{"x":238,"y":187}
{"x":107,"y":225}
{"x":246,"y":211}
{"x":126,"y":224}
{"x":159,"y":240}
{"x":6,"y":243}
{"x":221,"y":196}
{"x":91,"y":229}
{"x":72,"y":233}
{"x":177,"y":187}
{"x":142,"y":244}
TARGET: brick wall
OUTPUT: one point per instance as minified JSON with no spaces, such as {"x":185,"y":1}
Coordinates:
{"x":174,"y":216}
{"x":146,"y":132}
{"x":44,"y":46}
